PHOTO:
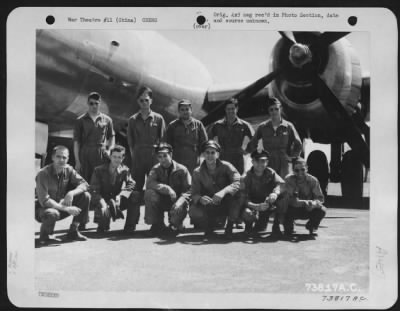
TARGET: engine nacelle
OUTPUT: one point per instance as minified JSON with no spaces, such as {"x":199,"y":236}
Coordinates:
{"x":337,"y":64}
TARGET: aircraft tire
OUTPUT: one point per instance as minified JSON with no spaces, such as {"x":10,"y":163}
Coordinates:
{"x":318,"y":167}
{"x":352,"y":176}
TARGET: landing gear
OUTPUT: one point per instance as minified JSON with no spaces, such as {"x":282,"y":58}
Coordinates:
{"x":347,"y":168}
{"x":352,"y":176}
{"x":318,"y":167}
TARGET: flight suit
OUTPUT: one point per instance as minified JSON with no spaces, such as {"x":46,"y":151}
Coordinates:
{"x":227,"y":179}
{"x":92,"y":137}
{"x":256,"y":189}
{"x":143,"y":135}
{"x":50,"y":185}
{"x":106,"y":186}
{"x":186,"y":141}
{"x":157,"y":199}
{"x":280,"y":143}
{"x":298,"y":192}
{"x":230,"y":137}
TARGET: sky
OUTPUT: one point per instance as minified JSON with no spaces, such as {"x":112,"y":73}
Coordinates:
{"x":237,"y":56}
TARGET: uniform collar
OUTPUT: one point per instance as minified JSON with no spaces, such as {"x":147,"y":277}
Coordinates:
{"x":181,"y":121}
{"x":172,"y":168}
{"x":307,"y":177}
{"x":87,"y":115}
{"x":224,"y":121}
{"x":54,"y":172}
{"x":151,"y":115}
{"x":283,"y":122}
{"x":265,"y":173}
{"x":204,"y":164}
{"x":120,"y":168}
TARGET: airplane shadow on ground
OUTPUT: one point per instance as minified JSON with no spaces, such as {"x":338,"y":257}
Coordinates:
{"x":66,"y":230}
{"x":63,"y":238}
{"x":192,"y":239}
{"x":347,"y":203}
{"x":190,"y":236}
{"x":240,"y":237}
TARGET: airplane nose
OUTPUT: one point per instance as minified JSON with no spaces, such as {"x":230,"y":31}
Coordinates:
{"x":299,"y":55}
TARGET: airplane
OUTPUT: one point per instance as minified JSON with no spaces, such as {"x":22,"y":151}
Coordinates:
{"x":316,"y":76}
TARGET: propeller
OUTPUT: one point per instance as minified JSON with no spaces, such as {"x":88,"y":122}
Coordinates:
{"x":335,"y":108}
{"x":288,"y":35}
{"x":327,"y":38}
{"x":354,"y":128}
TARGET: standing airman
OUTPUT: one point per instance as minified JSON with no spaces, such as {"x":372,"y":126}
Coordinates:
{"x":93,"y":137}
{"x":146,"y":128}
{"x":230,"y":132}
{"x":279,"y":137}
{"x":186,"y":136}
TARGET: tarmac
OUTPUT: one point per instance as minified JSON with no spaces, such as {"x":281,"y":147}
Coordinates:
{"x":118,"y":262}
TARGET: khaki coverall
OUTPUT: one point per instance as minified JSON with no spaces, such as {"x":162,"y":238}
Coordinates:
{"x":156,"y":196}
{"x":105,"y":186}
{"x":280,"y":143}
{"x":227,"y":179}
{"x":230,"y":138}
{"x":186,"y":141}
{"x":92,"y":138}
{"x":256,"y":189}
{"x":143,"y":135}
{"x":297,"y":193}
{"x":50,"y":185}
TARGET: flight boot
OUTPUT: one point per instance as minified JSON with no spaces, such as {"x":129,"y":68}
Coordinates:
{"x":228,"y":229}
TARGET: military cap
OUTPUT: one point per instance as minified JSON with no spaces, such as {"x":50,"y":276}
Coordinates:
{"x":163,"y":147}
{"x":94,"y":95}
{"x":184,"y":102}
{"x":258,"y":154}
{"x":211,"y":144}
{"x":273,"y":101}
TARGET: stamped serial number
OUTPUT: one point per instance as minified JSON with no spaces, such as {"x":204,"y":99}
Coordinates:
{"x":337,"y":298}
{"x":49,"y":294}
{"x":332,"y":287}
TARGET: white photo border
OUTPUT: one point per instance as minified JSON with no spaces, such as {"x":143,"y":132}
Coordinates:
{"x":21,"y":34}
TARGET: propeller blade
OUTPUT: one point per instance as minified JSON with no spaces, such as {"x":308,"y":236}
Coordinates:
{"x":288,"y":35}
{"x":300,"y":36}
{"x":364,"y":127}
{"x":328,"y":38}
{"x":334,"y":107}
{"x":242,"y":96}
{"x":252,"y":89}
{"x":365,"y":97}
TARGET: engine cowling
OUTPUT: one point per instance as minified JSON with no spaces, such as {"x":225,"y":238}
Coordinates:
{"x":337,"y":64}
